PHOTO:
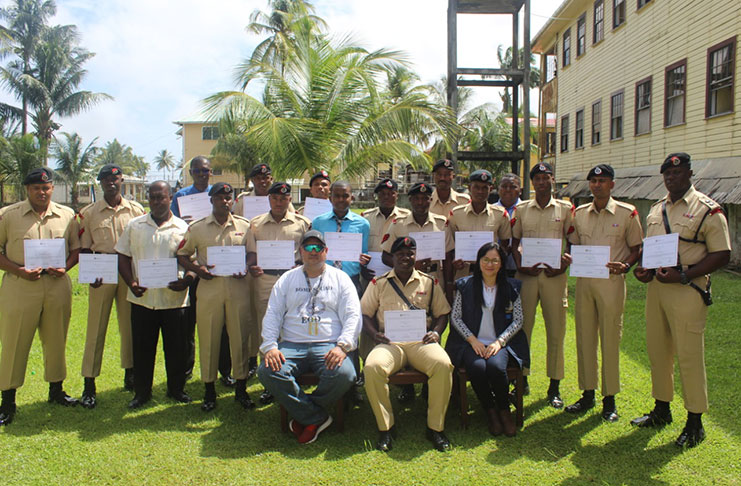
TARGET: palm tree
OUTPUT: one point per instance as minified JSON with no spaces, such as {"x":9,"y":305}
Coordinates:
{"x":137,"y":165}
{"x":164,"y":161}
{"x":74,"y":162}
{"x":18,"y":155}
{"x":505,"y":62}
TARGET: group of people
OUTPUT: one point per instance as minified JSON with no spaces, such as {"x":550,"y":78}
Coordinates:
{"x":324,"y":316}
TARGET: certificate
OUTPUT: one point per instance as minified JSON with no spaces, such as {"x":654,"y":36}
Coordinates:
{"x":408,"y":326}
{"x":430,"y":244}
{"x":157,"y":273}
{"x":467,"y":243}
{"x":590,"y":261}
{"x":541,"y":250}
{"x":227,"y":260}
{"x":660,"y":251}
{"x":376,"y":264}
{"x":44,"y":253}
{"x":276,"y":254}
{"x":255,"y":206}
{"x":195,"y":206}
{"x":344,"y":247}
{"x":313,"y":207}
{"x":98,"y":265}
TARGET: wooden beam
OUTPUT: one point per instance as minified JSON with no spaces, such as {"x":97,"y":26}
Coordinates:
{"x":488,"y":156}
{"x":487,"y":82}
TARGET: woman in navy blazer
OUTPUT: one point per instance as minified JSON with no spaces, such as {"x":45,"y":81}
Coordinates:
{"x":487,"y":334}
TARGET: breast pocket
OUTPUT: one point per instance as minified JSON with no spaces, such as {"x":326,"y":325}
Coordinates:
{"x":103,"y":235}
{"x":654,"y":226}
{"x":530,"y":229}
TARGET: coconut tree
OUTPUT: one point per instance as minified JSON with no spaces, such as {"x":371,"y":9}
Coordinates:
{"x":164,"y":161}
{"x":506,"y":62}
{"x":74,"y":162}
{"x":19,"y":154}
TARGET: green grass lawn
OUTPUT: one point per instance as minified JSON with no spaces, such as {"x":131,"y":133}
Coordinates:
{"x":167,"y":443}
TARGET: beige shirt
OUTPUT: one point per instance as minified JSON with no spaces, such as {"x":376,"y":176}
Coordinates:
{"x":380,"y":296}
{"x":685,"y":217}
{"x":208,"y":232}
{"x":265,"y":227}
{"x":617,"y":226}
{"x":555,"y":220}
{"x":238,"y":207}
{"x":20,"y":222}
{"x":101,"y":225}
{"x":492,"y":218}
{"x":443,"y":209}
{"x":379,"y":224}
{"x":144,"y":240}
{"x":407,"y":224}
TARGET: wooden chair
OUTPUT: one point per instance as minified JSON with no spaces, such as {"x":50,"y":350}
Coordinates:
{"x":460,"y":379}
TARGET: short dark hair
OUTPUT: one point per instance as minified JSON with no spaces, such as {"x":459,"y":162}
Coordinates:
{"x":341,"y":185}
{"x":511,"y":175}
{"x":160,"y":183}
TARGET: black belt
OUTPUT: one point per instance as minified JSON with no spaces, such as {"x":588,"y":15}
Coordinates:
{"x":276,"y":273}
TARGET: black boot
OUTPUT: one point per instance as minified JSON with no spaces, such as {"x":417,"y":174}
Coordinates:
{"x":209,"y":398}
{"x":241,"y":396}
{"x":693,"y":432}
{"x":7,"y":407}
{"x":57,"y":395}
{"x":609,"y":411}
{"x":129,"y":379}
{"x":88,"y":394}
{"x":554,"y":395}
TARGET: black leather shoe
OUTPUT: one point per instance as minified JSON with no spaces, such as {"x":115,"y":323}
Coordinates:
{"x":407,"y":394}
{"x":266,"y":398}
{"x":610,"y":415}
{"x":244,"y":400}
{"x":690,"y":436}
{"x":7,"y":412}
{"x":228,"y":380}
{"x":208,"y":405}
{"x":129,"y":379}
{"x":652,"y":419}
{"x":63,"y":399}
{"x":385,"y":440}
{"x":438,"y":439}
{"x":181,"y":397}
{"x":581,"y":405}
{"x":88,"y":400}
{"x":555,"y":401}
{"x":138,"y":401}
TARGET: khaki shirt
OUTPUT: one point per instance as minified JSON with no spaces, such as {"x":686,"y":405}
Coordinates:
{"x":101,"y":225}
{"x":379,"y":224}
{"x":685,"y":216}
{"x":380,"y":296}
{"x":616,"y":226}
{"x":208,"y":232}
{"x":492,"y":218}
{"x":443,"y":209}
{"x":405,"y":225}
{"x":265,"y":227}
{"x":20,"y":222}
{"x":555,"y":220}
{"x":238,"y":207}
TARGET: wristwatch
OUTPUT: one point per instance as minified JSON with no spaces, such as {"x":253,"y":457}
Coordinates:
{"x":683,"y":278}
{"x":345,"y":347}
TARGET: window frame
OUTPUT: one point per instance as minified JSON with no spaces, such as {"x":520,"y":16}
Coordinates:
{"x":601,"y":29}
{"x":622,"y":115}
{"x":640,"y":6}
{"x":581,"y":40}
{"x":708,"y":91}
{"x":667,"y":98}
{"x":211,"y":128}
{"x":598,"y":104}
{"x":577,"y":135}
{"x":637,"y":108}
{"x":564,"y":139}
{"x":615,"y":6}
{"x":566,"y":52}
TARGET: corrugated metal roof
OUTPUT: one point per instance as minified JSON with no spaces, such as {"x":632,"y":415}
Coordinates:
{"x":719,"y":178}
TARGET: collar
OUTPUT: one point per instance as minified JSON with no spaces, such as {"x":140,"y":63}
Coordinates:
{"x":347,"y":216}
{"x":288,"y":217}
{"x":396,"y":212}
{"x":453,"y":197}
{"x":125,"y":203}
{"x":686,"y":198}
{"x":534,"y":203}
{"x":170,"y":221}
{"x":510,"y":208}
{"x":610,"y":207}
{"x":51,"y":210}
{"x":428,"y":220}
{"x":211,"y":219}
{"x":469,"y":209}
{"x":414,"y":276}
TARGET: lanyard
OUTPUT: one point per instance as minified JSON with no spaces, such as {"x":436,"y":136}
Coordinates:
{"x":313,"y":291}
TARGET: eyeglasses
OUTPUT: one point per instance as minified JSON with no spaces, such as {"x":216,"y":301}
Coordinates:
{"x":491,"y":261}
{"x":314,"y":248}
{"x":200,"y":171}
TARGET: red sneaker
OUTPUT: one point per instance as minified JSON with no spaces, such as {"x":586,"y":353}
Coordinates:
{"x":311,"y":432}
{"x":296,"y":427}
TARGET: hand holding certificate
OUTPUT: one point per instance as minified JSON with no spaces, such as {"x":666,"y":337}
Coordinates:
{"x":94,"y":266}
{"x":157,"y":273}
{"x":405,"y":326}
{"x":376,"y":264}
{"x":660,"y":251}
{"x":194,"y":206}
{"x":467,"y":244}
{"x":226,"y":260}
{"x":590,"y":261}
{"x":430,"y":244}
{"x":44,"y":253}
{"x":255,"y":206}
{"x":344,"y":247}
{"x":275,"y":254}
{"x":541,"y":250}
{"x":314,"y":206}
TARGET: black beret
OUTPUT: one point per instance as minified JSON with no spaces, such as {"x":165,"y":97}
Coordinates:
{"x":322,"y":174}
{"x":260,"y":169}
{"x":220,"y":188}
{"x":109,"y":169}
{"x":445,"y":163}
{"x":39,"y":175}
{"x":403,"y":242}
{"x":386,"y":184}
{"x":602,"y":170}
{"x":420,"y":188}
{"x":280,"y":188}
{"x":481,"y":175}
{"x":313,"y":234}
{"x":675,"y":160}
{"x":541,"y":168}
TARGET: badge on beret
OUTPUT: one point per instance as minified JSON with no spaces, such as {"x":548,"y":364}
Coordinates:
{"x":227,"y":187}
{"x":283,"y":189}
{"x":675,"y":160}
{"x":114,"y":171}
{"x":44,"y":177}
{"x":407,"y":242}
{"x":263,"y":169}
{"x":448,"y":164}
{"x":325,"y":173}
{"x":484,"y":177}
{"x":541,"y":167}
{"x":422,"y":188}
{"x":389,"y":184}
{"x":597,"y":170}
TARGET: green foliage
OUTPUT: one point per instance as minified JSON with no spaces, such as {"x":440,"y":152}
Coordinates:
{"x":74,"y":162}
{"x":122,"y":155}
{"x":18,"y":155}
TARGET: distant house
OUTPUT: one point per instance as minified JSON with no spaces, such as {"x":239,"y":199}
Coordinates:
{"x":133,"y":188}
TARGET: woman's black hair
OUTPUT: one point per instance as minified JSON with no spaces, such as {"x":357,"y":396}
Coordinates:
{"x":503,"y":288}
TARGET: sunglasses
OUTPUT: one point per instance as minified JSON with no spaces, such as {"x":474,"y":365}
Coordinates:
{"x":200,"y":171}
{"x":491,"y":261}
{"x":314,"y":248}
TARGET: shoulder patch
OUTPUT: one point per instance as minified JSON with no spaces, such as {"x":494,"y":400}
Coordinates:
{"x":716,"y":211}
{"x":182,"y":244}
{"x":512,"y":222}
{"x":385,"y":237}
{"x":373,"y":281}
{"x":634,"y":213}
{"x":570,"y":230}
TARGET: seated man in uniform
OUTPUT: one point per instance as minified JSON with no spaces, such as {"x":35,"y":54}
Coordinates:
{"x":402,"y":289}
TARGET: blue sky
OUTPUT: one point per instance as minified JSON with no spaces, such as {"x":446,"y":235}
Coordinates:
{"x":159,"y":58}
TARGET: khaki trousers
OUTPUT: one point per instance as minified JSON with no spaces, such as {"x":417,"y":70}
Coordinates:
{"x":599,"y":321}
{"x":46,"y":305}
{"x":675,"y":324}
{"x":552,"y":293}
{"x":100,"y":301}
{"x":386,"y":359}
{"x":263,"y":286}
{"x":223,"y":301}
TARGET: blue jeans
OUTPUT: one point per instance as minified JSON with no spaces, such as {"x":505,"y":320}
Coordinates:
{"x":302,"y":358}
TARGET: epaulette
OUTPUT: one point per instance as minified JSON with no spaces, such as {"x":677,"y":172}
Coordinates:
{"x":624,"y":205}
{"x":236,"y":216}
{"x":583,"y":206}
{"x":708,"y":202}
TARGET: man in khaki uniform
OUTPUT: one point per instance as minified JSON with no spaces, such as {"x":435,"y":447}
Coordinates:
{"x":382,"y":216}
{"x":101,"y":224}
{"x":677,"y":297}
{"x":544,"y":217}
{"x":445,"y":198}
{"x":426,"y":355}
{"x":223,"y":300}
{"x":35,"y":298}
{"x":278,"y":224}
{"x":600,"y":302}
{"x":318,"y":188}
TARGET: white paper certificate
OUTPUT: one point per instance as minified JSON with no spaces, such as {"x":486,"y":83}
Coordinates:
{"x":276,"y":254}
{"x":376,"y":264}
{"x":194,"y":206}
{"x":98,"y":265}
{"x":44,"y":253}
{"x":255,"y":206}
{"x":590,"y":261}
{"x":430,"y":244}
{"x":227,"y":260}
{"x":467,"y":243}
{"x":541,"y":250}
{"x":344,"y":247}
{"x":313,"y":207}
{"x":407,"y":326}
{"x":660,"y":251}
{"x":157,"y":273}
